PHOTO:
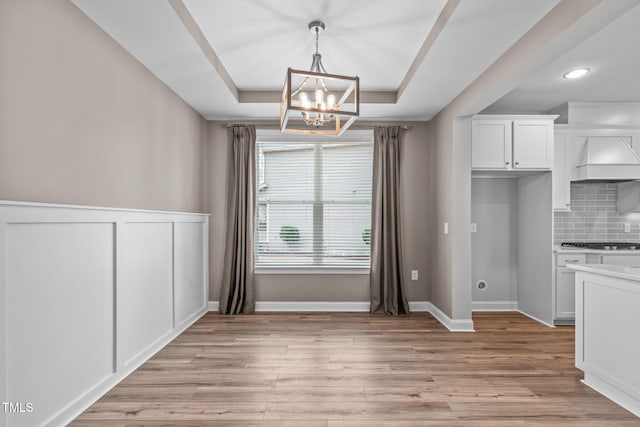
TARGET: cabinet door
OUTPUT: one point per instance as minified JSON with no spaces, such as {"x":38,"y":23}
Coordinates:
{"x":565,"y":293}
{"x":491,"y":144}
{"x":560,"y":178}
{"x":532,"y":144}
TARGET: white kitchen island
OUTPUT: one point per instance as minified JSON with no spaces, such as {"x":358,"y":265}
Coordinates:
{"x":607,"y":336}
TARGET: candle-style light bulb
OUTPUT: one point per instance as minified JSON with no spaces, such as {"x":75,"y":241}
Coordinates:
{"x":331,"y":101}
{"x":304,"y":99}
{"x":319,"y":96}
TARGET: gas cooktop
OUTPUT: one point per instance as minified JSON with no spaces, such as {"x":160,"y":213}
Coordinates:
{"x":606,"y":246}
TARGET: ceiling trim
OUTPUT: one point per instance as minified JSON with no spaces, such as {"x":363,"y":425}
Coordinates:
{"x":195,"y":31}
{"x":437,"y":28}
{"x":271,"y":96}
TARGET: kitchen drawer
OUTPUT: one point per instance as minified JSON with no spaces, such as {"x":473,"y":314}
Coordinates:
{"x":564,"y":259}
{"x":629,"y":260}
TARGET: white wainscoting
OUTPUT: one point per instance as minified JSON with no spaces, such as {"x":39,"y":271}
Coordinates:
{"x":87,"y":295}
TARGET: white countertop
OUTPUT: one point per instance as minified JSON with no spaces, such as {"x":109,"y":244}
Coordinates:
{"x":565,"y":250}
{"x":619,"y":271}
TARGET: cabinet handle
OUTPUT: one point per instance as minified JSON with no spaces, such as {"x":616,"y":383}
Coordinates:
{"x":572,"y":260}
{"x":506,"y":163}
{"x":517,"y":163}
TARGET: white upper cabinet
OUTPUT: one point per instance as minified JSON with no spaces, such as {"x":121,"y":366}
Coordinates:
{"x":491,"y":144}
{"x":533,"y":144}
{"x":512,"y":142}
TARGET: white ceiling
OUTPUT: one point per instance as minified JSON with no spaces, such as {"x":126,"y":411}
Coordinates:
{"x":611,"y":54}
{"x":256,"y":40}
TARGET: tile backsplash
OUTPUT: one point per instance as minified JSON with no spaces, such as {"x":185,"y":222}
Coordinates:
{"x":594,"y":216}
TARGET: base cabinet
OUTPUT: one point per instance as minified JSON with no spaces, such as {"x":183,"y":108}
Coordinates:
{"x":564,"y":278}
{"x":565,"y":293}
{"x":607,"y":345}
{"x":564,"y":288}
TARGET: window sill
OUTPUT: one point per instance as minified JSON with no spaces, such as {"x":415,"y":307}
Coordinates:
{"x":313,"y":270}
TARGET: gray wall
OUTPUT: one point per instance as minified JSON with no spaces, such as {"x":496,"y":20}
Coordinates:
{"x":416,"y":165}
{"x":83,"y":122}
{"x":440,"y":196}
{"x":494,"y":208}
{"x":535,"y":240}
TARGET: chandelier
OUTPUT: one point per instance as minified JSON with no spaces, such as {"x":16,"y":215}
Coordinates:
{"x":316,"y":102}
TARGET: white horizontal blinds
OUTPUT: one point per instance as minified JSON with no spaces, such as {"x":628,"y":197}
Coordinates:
{"x":313,"y":204}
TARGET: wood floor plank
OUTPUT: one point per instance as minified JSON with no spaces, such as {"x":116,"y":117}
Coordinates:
{"x":339,"y":369}
{"x":281,"y":394}
{"x":207,"y":423}
{"x":359,"y":380}
{"x":359,"y":411}
{"x":436,"y":392}
{"x":124,"y":393}
{"x":481,"y":423}
{"x":187,"y":410}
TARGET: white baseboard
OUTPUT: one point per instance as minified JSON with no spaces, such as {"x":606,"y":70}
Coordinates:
{"x":627,"y":401}
{"x":536,"y":319}
{"x":419,"y":306}
{"x":72,"y":411}
{"x":354,"y":306}
{"x":453,"y":325}
{"x":464,"y":325}
{"x":213,"y":306}
{"x":494,"y":306}
{"x":313,"y":306}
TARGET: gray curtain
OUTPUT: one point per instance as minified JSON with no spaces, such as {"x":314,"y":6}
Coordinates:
{"x":388,"y":294}
{"x":237,"y":290}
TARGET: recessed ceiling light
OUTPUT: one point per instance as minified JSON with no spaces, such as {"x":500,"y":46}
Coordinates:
{"x":577,"y":73}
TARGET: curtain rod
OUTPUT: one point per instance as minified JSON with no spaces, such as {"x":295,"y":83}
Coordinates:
{"x":367,"y":126}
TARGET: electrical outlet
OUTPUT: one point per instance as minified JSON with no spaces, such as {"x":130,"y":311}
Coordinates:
{"x":446,"y":228}
{"x":627,"y":227}
{"x":414,"y":274}
{"x":474,"y":227}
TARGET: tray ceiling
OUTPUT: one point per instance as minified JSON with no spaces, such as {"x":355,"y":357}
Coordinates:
{"x":228,"y":59}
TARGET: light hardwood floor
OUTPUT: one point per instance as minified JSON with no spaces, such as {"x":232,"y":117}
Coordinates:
{"x":359,"y":370}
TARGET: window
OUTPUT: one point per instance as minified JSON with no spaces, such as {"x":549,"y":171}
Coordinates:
{"x":313,"y":204}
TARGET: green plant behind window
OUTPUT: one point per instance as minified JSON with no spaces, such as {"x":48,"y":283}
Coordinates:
{"x":366,"y":236}
{"x":290,"y":234}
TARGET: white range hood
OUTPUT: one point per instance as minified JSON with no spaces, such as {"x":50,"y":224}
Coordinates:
{"x":607,"y":158}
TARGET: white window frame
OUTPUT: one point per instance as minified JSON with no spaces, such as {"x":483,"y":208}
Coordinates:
{"x":277,"y":137}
